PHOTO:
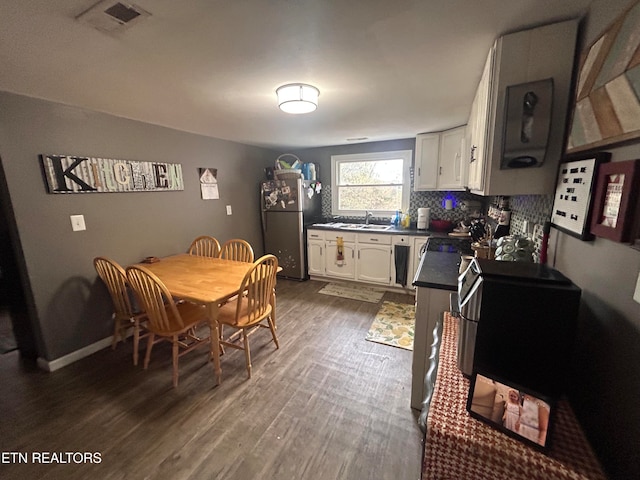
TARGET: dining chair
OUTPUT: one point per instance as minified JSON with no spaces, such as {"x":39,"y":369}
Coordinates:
{"x":125,"y":314}
{"x":205,"y":246}
{"x":249,"y":311}
{"x":238,"y":250}
{"x":168,"y":319}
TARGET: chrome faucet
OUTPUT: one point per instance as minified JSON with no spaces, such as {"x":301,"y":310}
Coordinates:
{"x":368,"y":215}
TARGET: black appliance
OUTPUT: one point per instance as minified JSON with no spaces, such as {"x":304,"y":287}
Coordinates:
{"x":517,"y":322}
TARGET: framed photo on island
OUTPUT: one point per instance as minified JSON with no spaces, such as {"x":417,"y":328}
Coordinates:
{"x":616,"y":196}
{"x":573,"y":199}
{"x":515,"y":410}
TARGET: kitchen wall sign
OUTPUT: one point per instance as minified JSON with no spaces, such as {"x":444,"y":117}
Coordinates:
{"x":78,"y":174}
{"x":574,"y":192}
{"x":607,"y":100}
{"x":616,"y":195}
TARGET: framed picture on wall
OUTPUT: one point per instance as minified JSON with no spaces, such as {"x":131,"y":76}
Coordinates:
{"x":615,"y":200}
{"x":574,"y":194}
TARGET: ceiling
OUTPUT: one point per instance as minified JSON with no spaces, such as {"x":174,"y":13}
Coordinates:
{"x":386,"y":69}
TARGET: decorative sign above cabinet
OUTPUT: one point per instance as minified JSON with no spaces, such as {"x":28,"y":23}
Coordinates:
{"x":77,"y":174}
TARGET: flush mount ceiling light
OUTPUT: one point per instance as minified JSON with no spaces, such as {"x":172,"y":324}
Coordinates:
{"x":297,"y":98}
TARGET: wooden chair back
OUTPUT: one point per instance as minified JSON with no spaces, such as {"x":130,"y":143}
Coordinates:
{"x":156,"y":300}
{"x":238,"y":250}
{"x":257,"y":285}
{"x":205,"y":246}
{"x":115,"y":278}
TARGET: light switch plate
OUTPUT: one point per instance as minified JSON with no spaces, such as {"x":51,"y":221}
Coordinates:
{"x":636,"y":294}
{"x":228,"y":209}
{"x":77,"y":223}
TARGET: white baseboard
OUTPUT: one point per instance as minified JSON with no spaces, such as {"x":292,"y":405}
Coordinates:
{"x":58,"y":363}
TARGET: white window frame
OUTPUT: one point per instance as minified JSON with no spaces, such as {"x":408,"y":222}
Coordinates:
{"x":405,"y":155}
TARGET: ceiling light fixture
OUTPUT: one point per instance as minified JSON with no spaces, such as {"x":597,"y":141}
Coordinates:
{"x":297,"y":98}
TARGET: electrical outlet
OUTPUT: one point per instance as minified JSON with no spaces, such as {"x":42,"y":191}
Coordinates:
{"x":636,"y":294}
{"x":77,"y":223}
{"x":229,"y":210}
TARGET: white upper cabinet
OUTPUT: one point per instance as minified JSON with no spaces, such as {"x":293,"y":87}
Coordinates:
{"x":441,"y":160}
{"x":544,"y":55}
{"x":477,"y":128}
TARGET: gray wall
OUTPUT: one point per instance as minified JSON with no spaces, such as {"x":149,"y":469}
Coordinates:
{"x":606,"y":381}
{"x":69,"y":308}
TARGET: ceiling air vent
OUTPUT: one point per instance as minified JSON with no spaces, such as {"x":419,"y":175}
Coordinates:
{"x":111,"y":17}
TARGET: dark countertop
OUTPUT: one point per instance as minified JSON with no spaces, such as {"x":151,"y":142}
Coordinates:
{"x":438,"y":270}
{"x":393,"y":230}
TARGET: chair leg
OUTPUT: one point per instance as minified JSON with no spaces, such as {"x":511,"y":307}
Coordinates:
{"x":272,"y":327}
{"x":221,"y":337}
{"x":247,"y":353}
{"x":273,"y":308}
{"x":174,"y":342}
{"x":117,"y":333}
{"x":136,"y":342}
{"x":147,"y":355}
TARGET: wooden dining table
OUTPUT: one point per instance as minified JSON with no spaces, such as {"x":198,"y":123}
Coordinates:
{"x":203,"y":280}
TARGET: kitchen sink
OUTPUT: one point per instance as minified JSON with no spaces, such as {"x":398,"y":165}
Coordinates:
{"x":375,"y":227}
{"x":354,"y":226}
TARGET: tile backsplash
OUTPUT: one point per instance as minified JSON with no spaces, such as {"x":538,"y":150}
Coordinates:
{"x":432,"y":200}
{"x":536,"y":209}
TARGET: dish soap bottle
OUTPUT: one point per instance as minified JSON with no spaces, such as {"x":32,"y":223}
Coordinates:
{"x":395,"y":220}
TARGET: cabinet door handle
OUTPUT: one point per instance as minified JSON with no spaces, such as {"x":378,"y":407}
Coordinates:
{"x":374,"y":240}
{"x":320,"y":251}
{"x":440,"y":171}
{"x":358,"y":254}
{"x":418,"y":171}
{"x":473,"y":154}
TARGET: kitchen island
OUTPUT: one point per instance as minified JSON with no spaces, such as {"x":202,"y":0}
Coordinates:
{"x":436,"y":278}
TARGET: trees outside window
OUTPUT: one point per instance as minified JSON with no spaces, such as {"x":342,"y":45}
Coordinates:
{"x":376,"y":182}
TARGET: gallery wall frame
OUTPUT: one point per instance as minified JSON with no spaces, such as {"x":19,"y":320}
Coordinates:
{"x":615,"y":200}
{"x":606,"y":109}
{"x":573,"y":198}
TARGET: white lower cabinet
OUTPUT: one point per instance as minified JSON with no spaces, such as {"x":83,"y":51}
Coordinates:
{"x":315,"y":257}
{"x":366,"y":257}
{"x":315,"y":252}
{"x":336,"y":265}
{"x":374,"y":262}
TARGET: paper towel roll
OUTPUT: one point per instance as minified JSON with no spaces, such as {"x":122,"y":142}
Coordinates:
{"x":423,"y":218}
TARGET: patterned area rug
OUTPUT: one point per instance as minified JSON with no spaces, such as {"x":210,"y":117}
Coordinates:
{"x":354,"y":292}
{"x":394,"y":325}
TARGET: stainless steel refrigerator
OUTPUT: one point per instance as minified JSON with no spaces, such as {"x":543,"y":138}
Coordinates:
{"x":288,"y":206}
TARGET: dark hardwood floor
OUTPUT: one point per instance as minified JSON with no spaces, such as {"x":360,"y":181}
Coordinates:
{"x":327,"y":405}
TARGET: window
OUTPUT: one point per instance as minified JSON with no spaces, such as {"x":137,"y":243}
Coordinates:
{"x":376,"y":182}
